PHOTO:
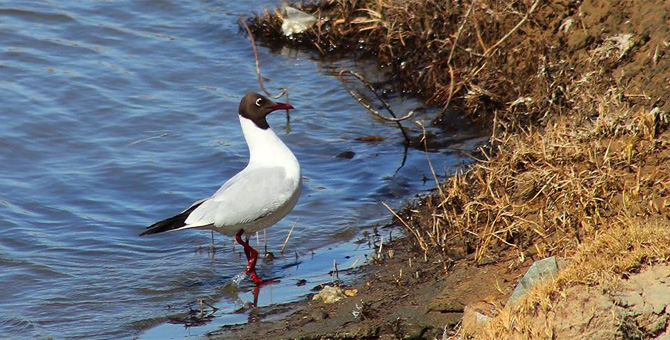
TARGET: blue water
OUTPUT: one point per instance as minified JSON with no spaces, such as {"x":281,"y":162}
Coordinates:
{"x":121,"y":113}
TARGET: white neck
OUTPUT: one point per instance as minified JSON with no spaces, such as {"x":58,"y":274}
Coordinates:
{"x":265,"y":147}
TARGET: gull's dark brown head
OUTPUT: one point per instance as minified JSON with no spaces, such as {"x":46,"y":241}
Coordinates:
{"x":256,"y":107}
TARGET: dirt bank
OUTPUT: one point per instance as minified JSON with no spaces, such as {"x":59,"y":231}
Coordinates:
{"x":403,"y":297}
{"x":578,"y":166}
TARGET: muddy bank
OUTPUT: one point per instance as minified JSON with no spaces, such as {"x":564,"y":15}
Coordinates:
{"x":578,"y":164}
{"x":400,"y":297}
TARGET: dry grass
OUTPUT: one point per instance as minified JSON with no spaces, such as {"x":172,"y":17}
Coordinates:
{"x":622,"y":248}
{"x":546,"y":190}
{"x":445,"y":50}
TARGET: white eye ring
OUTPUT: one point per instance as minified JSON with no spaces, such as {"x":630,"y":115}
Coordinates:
{"x":258,"y":102}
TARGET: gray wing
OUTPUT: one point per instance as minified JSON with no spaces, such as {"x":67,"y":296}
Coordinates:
{"x":248,"y":196}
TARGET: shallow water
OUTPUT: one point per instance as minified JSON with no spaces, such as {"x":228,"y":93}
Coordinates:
{"x":121,"y":113}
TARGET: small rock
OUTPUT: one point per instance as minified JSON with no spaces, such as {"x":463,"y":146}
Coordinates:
{"x":329,"y":294}
{"x":540,"y":270}
{"x":320,"y":315}
{"x":476,"y":316}
{"x":350,"y":292}
{"x":657,"y":296}
{"x":346,"y":154}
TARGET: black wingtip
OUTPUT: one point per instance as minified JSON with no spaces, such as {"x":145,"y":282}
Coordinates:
{"x":149,"y":231}
{"x":164,"y":225}
{"x":172,"y":223}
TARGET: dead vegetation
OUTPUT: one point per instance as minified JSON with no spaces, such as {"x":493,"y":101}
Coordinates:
{"x":579,"y":157}
{"x":545,"y":190}
{"x":600,"y":262}
{"x":575,"y":142}
{"x":445,"y":50}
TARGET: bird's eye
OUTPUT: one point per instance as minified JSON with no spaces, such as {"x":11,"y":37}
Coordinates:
{"x":258,"y":102}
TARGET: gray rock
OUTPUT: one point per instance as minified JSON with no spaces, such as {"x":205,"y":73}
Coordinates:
{"x":540,"y":270}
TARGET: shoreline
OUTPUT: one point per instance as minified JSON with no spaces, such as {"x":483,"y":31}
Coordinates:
{"x":398,"y":296}
{"x":577,"y":167}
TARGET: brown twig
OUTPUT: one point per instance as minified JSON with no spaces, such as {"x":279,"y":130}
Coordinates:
{"x":356,"y":261}
{"x":430,"y":164}
{"x":451,"y":55}
{"x":258,"y":64}
{"x":493,"y":48}
{"x":381,"y":246}
{"x":381,"y":99}
{"x":458,"y":33}
{"x":212,"y":247}
{"x":283,"y":91}
{"x":415,"y":232}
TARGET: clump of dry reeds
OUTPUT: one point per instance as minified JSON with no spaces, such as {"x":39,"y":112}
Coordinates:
{"x":485,"y":55}
{"x":571,"y":149}
{"x":545,"y":190}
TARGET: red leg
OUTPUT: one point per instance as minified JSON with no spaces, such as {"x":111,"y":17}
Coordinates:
{"x":251,"y":266}
{"x":252,"y":256}
{"x":245,"y":245}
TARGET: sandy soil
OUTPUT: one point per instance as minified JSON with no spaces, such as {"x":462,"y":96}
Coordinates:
{"x":637,"y":308}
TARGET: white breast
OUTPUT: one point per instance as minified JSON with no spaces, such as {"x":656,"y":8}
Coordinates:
{"x":258,"y":196}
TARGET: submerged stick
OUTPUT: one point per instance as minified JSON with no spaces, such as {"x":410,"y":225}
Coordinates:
{"x":430,"y":163}
{"x":202,"y":301}
{"x":148,"y":138}
{"x":404,"y":160}
{"x":287,"y":237}
{"x":370,"y":108}
{"x":356,"y":261}
{"x":213,"y":247}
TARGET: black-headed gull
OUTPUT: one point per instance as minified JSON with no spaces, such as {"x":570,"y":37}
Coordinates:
{"x":258,"y":196}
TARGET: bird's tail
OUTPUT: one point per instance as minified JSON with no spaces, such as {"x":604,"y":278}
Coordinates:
{"x":172,"y":223}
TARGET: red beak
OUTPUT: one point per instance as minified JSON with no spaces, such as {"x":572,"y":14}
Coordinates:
{"x":281,"y":106}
